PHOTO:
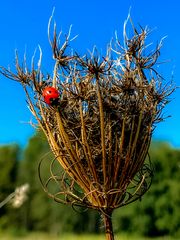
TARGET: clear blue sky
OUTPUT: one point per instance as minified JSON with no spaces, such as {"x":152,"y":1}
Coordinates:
{"x":23,"y":25}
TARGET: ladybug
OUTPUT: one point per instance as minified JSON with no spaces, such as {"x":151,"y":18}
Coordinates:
{"x":50,"y":95}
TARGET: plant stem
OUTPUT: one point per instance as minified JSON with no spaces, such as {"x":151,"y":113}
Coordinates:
{"x":108,"y":225}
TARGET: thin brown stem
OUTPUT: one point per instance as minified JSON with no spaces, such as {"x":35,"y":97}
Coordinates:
{"x":102,"y":129}
{"x":108,"y":225}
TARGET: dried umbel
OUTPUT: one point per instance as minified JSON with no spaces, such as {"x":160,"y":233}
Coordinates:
{"x":99,"y":125}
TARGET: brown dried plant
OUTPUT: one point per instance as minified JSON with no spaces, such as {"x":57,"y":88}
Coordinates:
{"x":100,"y":128}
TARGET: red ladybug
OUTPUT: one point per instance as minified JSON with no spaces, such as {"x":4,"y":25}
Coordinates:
{"x":50,"y":95}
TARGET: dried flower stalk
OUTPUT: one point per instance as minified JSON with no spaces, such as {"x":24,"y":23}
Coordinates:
{"x":101,"y":127}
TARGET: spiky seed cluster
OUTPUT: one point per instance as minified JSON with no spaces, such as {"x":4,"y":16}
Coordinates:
{"x":100,"y":128}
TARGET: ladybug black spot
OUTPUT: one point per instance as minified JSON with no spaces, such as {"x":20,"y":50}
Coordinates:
{"x":54,"y":101}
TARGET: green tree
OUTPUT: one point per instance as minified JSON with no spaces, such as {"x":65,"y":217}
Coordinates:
{"x":9,"y":156}
{"x":34,"y":213}
{"x":159,"y":211}
{"x":167,"y":189}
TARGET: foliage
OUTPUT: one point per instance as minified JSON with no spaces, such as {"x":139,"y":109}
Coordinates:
{"x":8,"y":166}
{"x":159,"y":211}
{"x":9,"y":156}
{"x":157,"y":214}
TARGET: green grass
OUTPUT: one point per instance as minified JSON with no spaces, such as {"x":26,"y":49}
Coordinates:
{"x":43,"y":236}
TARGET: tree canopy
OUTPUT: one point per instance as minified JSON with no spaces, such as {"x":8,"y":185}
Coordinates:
{"x":157,"y":213}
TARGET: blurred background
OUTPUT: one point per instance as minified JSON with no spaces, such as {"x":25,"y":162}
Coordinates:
{"x":23,"y":27}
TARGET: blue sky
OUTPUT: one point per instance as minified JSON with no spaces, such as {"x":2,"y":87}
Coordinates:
{"x":23,"y":25}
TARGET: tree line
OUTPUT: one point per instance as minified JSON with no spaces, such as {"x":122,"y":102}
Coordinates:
{"x":157,"y":214}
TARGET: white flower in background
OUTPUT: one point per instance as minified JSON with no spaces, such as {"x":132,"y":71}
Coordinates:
{"x":20,"y":195}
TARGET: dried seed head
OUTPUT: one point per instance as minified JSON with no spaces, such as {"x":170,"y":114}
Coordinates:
{"x":101,"y":126}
